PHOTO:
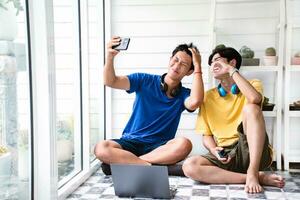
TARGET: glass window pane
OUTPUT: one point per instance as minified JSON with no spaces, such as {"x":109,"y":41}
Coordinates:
{"x":15,"y":116}
{"x":67,"y":89}
{"x":96,"y":88}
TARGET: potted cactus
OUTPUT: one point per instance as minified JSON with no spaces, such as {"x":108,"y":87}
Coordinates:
{"x":64,"y":140}
{"x":248,"y":57}
{"x":266,"y":105}
{"x":296,"y":59}
{"x":270,"y":58}
{"x":5,"y":161}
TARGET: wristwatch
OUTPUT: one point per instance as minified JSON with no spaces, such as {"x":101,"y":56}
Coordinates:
{"x":232,"y":71}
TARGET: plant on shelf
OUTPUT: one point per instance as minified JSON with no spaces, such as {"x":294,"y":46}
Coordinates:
{"x":270,"y":58}
{"x":5,"y":161}
{"x":9,"y":9}
{"x":16,"y":3}
{"x":64,"y":139}
{"x":248,"y":57}
{"x":266,"y":105}
{"x":296,"y":59}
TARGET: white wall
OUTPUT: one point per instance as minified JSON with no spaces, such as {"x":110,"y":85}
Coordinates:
{"x":156,"y":27}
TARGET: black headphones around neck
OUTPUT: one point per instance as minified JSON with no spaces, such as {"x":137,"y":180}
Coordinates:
{"x":164,"y":86}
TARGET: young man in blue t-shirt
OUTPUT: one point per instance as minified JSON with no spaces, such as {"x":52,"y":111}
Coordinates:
{"x":148,"y":137}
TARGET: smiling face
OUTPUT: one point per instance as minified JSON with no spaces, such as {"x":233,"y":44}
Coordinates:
{"x":216,"y":68}
{"x":179,"y":65}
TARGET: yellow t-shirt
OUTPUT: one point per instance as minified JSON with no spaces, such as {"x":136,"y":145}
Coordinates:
{"x":220,"y":116}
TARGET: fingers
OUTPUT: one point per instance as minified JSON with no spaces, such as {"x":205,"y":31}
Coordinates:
{"x":219,"y":148}
{"x":113,"y":42}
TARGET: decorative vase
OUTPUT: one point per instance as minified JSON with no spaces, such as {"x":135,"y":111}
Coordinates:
{"x":270,"y":60}
{"x":8,"y":21}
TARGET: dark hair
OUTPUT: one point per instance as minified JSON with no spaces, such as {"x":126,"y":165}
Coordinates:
{"x":185,"y":48}
{"x":227,"y":52}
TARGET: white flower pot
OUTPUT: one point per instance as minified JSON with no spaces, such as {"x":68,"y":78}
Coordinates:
{"x":8,"y":21}
{"x":5,"y":164}
{"x":64,"y":150}
{"x":270,"y":60}
{"x":295,"y":61}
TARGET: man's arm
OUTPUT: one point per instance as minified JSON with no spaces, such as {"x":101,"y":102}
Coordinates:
{"x":109,"y":77}
{"x":251,"y":94}
{"x":197,"y":90}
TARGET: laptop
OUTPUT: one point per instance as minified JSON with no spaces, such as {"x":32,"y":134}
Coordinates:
{"x":141,"y":181}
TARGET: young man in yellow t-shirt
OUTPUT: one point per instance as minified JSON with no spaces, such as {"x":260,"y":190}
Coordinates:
{"x":233,"y":129}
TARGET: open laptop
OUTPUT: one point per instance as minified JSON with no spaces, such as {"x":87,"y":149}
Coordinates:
{"x":141,"y":181}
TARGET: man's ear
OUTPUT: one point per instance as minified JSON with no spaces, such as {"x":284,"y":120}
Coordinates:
{"x":233,"y":62}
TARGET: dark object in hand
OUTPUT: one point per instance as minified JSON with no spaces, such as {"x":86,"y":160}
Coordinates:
{"x":123,"y":44}
{"x":222,"y":154}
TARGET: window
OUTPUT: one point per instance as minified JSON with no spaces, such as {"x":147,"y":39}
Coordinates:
{"x":15,"y":116}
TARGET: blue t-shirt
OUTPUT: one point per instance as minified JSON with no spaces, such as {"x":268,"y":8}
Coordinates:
{"x":155,"y":116}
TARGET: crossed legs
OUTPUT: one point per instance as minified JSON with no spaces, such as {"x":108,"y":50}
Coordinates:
{"x":173,"y":151}
{"x":201,"y":169}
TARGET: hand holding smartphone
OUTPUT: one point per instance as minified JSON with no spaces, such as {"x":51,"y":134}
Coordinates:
{"x":222,"y":154}
{"x":123,"y":44}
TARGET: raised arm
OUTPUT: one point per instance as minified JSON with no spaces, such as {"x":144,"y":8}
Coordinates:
{"x":251,"y":94}
{"x":109,"y":77}
{"x":197,"y":90}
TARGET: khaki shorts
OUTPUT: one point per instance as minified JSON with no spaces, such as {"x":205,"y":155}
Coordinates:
{"x":239,"y":153}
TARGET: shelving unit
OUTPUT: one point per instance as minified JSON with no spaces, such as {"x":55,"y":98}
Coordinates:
{"x":291,"y":154}
{"x":233,"y":38}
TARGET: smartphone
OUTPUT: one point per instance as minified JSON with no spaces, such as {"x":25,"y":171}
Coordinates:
{"x":123,"y":44}
{"x":222,"y":154}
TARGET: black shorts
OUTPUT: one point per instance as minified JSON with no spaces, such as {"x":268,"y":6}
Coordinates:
{"x":136,"y":147}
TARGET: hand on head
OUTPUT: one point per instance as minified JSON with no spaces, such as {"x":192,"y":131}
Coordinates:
{"x":196,"y":59}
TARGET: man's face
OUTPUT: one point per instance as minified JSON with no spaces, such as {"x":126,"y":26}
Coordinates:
{"x":179,"y":65}
{"x":216,"y":68}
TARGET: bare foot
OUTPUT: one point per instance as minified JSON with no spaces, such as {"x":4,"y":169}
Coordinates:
{"x":271,"y":180}
{"x":252,"y":184}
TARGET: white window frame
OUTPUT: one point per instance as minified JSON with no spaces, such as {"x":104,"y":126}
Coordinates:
{"x":44,"y":101}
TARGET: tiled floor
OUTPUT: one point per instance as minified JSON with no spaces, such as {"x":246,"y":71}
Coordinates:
{"x":100,"y":186}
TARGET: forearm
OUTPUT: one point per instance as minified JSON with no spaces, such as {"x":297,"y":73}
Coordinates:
{"x":109,"y":75}
{"x":251,"y":94}
{"x":197,"y":90}
{"x":209,"y":143}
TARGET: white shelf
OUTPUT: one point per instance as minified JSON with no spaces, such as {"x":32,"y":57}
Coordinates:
{"x":242,"y":1}
{"x":294,"y":155}
{"x":294,"y":68}
{"x":270,"y":113}
{"x":260,"y":68}
{"x":294,"y":113}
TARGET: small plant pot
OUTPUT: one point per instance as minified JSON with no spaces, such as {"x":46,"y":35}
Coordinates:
{"x":270,"y":60}
{"x":268,"y":107}
{"x":250,"y":61}
{"x":295,"y":61}
{"x":64,"y":150}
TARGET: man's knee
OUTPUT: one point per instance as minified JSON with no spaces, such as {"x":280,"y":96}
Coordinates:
{"x":190,"y":165}
{"x":252,"y":110}
{"x":102,"y":150}
{"x":183,"y":146}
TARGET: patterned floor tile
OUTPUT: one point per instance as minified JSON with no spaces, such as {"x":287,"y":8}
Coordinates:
{"x":99,"y":186}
